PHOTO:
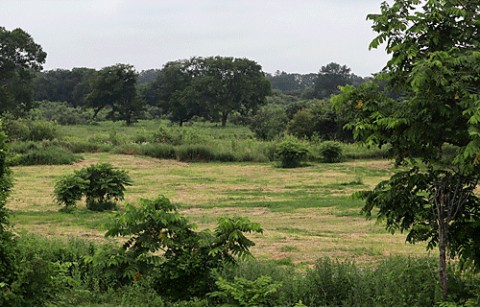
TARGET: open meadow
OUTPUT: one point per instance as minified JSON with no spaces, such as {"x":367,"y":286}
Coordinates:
{"x":307,"y":213}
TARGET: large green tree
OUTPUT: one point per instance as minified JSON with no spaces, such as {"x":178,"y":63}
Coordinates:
{"x":331,"y":77}
{"x":435,"y":64}
{"x":114,"y":87}
{"x":63,"y":85}
{"x":174,"y":93}
{"x":20,"y":58}
{"x":230,"y":85}
{"x":212,"y":88}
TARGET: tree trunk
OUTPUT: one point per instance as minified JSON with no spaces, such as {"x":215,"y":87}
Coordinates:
{"x":442,"y":245}
{"x":224,"y":119}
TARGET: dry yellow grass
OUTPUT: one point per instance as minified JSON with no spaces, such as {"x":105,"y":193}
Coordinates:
{"x":305,"y":212}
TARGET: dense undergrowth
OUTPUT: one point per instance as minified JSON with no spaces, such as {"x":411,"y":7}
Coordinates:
{"x":75,"y":272}
{"x":46,"y":143}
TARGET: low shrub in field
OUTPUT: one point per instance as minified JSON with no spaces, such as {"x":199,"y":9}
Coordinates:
{"x":84,"y":146}
{"x":61,"y":113}
{"x":166,"y":136}
{"x":330,"y":152}
{"x":244,"y":292}
{"x":17,"y":130}
{"x":291,"y":152}
{"x":31,"y":153}
{"x":101,"y":184}
{"x":195,"y":153}
{"x":159,"y":151}
{"x":31,"y":130}
{"x":127,"y":149}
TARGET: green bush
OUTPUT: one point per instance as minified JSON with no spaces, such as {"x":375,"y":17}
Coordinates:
{"x":166,"y":136}
{"x":51,"y":155}
{"x":101,"y":184}
{"x":42,"y":130}
{"x":159,"y":151}
{"x":244,"y":292}
{"x":17,"y":130}
{"x":291,"y":152}
{"x":83,"y":146}
{"x":61,"y":113}
{"x":127,"y":149}
{"x":31,"y":130}
{"x":269,"y":122}
{"x":195,"y":153}
{"x":330,"y":152}
{"x":189,"y":258}
{"x":302,"y":125}
{"x":69,"y":190}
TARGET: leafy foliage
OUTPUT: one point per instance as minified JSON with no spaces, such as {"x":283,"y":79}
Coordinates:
{"x":291,"y":152}
{"x":212,"y":88}
{"x":20,"y":57}
{"x":189,"y":256}
{"x":101,"y":184}
{"x":330,"y":152}
{"x":269,"y":122}
{"x":69,"y":190}
{"x":114,"y":87}
{"x":244,"y":292}
{"x":30,"y":130}
{"x":5,"y":236}
{"x":435,"y":48}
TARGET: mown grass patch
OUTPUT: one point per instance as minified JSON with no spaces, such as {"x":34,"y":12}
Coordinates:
{"x":309,"y":209}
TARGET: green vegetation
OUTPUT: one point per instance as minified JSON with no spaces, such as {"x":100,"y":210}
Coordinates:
{"x":421,"y":110}
{"x":101,"y":184}
{"x":434,"y":199}
{"x":291,"y":152}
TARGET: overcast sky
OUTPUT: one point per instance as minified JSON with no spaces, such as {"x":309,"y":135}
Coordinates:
{"x":290,"y":35}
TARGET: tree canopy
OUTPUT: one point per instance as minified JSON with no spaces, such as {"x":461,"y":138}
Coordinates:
{"x":20,"y":58}
{"x":435,"y":63}
{"x":114,"y":87}
{"x":212,"y":88}
{"x":330,"y":77}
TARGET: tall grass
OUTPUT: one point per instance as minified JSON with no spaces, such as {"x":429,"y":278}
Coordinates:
{"x":198,"y":142}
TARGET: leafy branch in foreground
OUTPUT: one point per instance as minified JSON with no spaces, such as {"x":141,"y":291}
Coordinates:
{"x":435,"y":70}
{"x":164,"y":242}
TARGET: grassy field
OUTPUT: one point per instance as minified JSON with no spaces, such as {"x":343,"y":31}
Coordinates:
{"x":307,"y":213}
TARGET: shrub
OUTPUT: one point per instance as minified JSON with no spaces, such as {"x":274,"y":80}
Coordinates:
{"x":189,"y":257}
{"x":101,"y":184}
{"x":42,"y":130}
{"x":31,"y":130}
{"x":60,"y":112}
{"x":331,"y":283}
{"x":291,"y":152}
{"x":51,"y":155}
{"x":302,"y":125}
{"x":244,"y":292}
{"x":17,"y":130}
{"x":166,"y":136}
{"x":6,"y":253}
{"x":330,"y":152}
{"x":195,"y":153}
{"x":269,"y":122}
{"x":69,"y":190}
{"x":127,"y":149}
{"x":83,"y":146}
{"x":159,"y":151}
